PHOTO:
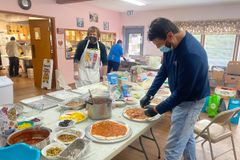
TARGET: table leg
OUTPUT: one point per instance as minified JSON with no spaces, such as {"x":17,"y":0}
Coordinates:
{"x":142,"y":150}
{"x":154,"y":140}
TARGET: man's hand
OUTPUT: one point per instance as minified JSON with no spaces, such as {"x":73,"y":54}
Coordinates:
{"x":145,"y":101}
{"x":150,"y":111}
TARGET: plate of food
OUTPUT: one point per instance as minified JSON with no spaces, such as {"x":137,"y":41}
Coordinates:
{"x":65,"y":124}
{"x":108,"y":131}
{"x":119,"y":103}
{"x":131,"y":100}
{"x":137,"y":114}
{"x":75,"y":103}
{"x":65,"y":137}
{"x":53,"y":150}
{"x":76,"y":116}
{"x":24,"y":125}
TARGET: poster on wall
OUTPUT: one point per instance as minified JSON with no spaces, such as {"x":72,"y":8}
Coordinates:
{"x":106,"y":26}
{"x":80,"y":22}
{"x":47,"y":73}
{"x":93,"y":17}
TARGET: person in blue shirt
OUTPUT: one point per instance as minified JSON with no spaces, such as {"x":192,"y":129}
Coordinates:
{"x":116,"y":52}
{"x":185,"y":64}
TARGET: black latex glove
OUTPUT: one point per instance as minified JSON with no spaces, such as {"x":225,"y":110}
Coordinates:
{"x":145,"y":101}
{"x":150,"y":111}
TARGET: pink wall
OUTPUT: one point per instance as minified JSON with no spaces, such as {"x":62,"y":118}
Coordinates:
{"x":189,"y":13}
{"x":65,"y":17}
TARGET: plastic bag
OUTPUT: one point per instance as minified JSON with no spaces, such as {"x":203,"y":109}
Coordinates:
{"x":213,"y":105}
{"x":8,"y":119}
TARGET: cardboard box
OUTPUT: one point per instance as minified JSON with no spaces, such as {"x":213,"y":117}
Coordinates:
{"x":231,"y":79}
{"x":218,"y":75}
{"x":216,"y":78}
{"x":233,"y":67}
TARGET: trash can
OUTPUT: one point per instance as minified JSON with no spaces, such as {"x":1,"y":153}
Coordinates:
{"x":30,"y":73}
{"x":6,"y":87}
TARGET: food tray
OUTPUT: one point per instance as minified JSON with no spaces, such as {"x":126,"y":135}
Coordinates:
{"x":75,"y":150}
{"x":81,"y":104}
{"x":42,"y":102}
{"x":89,"y":136}
{"x":63,"y":94}
{"x":74,"y":131}
{"x":67,"y":113}
{"x":150,"y":119}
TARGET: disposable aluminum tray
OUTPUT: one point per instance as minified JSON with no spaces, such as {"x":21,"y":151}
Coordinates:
{"x":89,"y":136}
{"x":75,"y":150}
{"x":63,"y":94}
{"x":42,"y":102}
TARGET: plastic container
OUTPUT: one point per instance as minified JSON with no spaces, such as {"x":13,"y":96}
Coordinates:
{"x":19,"y":151}
{"x":30,"y":73}
{"x":6,"y":87}
{"x":234,"y":103}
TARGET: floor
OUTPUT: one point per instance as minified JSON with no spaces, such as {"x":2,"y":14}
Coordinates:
{"x":24,"y":88}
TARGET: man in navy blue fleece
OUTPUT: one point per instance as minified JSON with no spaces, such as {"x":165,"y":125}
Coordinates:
{"x":185,"y":65}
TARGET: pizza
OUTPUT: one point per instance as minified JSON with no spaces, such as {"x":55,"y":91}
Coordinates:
{"x":136,"y":114}
{"x":108,"y":130}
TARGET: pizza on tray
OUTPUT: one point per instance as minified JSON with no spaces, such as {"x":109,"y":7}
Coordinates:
{"x":136,"y":114}
{"x":108,"y":130}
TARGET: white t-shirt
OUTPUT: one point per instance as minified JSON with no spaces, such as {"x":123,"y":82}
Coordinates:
{"x":12,"y":49}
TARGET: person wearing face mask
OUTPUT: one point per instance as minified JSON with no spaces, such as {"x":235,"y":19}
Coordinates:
{"x":88,"y":57}
{"x":185,"y":64}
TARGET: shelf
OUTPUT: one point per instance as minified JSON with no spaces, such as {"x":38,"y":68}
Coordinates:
{"x":72,"y":37}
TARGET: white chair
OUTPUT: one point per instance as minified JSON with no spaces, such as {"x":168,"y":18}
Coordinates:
{"x":216,"y":130}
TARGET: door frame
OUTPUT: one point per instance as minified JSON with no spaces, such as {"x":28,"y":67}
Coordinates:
{"x":54,"y":40}
{"x":125,"y":40}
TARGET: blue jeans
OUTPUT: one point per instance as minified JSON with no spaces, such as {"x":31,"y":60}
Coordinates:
{"x":181,"y":141}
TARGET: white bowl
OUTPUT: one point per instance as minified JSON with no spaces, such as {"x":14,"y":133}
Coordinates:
{"x":131,"y":100}
{"x":75,"y":132}
{"x":71,"y":124}
{"x":59,"y":145}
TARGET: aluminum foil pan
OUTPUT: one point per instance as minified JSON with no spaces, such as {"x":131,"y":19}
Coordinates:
{"x":75,"y":150}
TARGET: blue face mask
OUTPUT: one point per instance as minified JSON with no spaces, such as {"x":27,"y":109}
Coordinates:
{"x":165,"y":49}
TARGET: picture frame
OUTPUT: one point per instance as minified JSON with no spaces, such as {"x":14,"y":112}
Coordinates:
{"x":80,"y":22}
{"x":93,"y":17}
{"x":106,"y":26}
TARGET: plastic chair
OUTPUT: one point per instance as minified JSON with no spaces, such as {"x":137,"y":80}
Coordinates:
{"x":216,"y":130}
{"x":19,"y":151}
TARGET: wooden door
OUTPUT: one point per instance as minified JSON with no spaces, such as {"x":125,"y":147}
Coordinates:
{"x":41,"y":46}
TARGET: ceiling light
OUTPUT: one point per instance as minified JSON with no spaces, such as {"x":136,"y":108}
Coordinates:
{"x":135,"y":2}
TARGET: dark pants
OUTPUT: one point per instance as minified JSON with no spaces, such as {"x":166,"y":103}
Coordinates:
{"x":13,"y":66}
{"x":112,"y":66}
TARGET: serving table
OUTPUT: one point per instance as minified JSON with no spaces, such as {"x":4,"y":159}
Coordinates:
{"x":102,"y":151}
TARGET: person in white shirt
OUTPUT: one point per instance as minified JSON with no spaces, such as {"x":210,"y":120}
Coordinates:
{"x":13,"y":54}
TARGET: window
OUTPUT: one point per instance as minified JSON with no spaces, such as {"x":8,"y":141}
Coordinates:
{"x":134,"y":44}
{"x":219,"y":49}
{"x":197,"y":36}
